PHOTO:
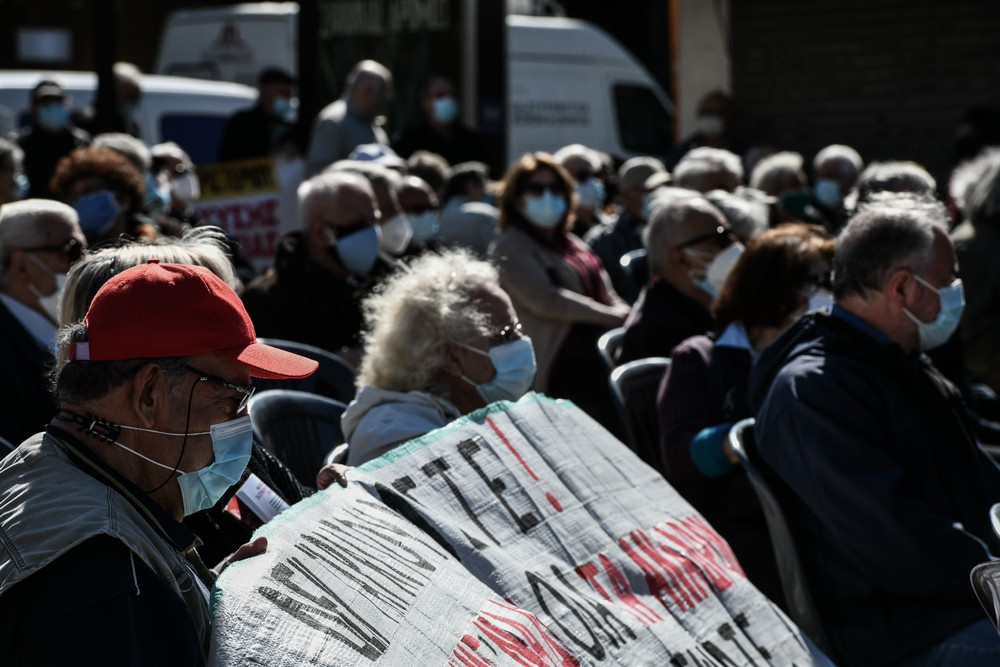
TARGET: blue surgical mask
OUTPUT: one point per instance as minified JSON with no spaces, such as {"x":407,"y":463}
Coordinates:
{"x":21,"y":185}
{"x":358,"y":251}
{"x":285,"y":108}
{"x":232,"y":444}
{"x":515,"y":366}
{"x":425,"y":226}
{"x":129,"y":110}
{"x":545,"y":210}
{"x":827,"y":193}
{"x":647,"y":206}
{"x":591,"y":193}
{"x":97,"y":212}
{"x":445,"y":109}
{"x":937,"y":332}
{"x":157,"y":197}
{"x":53,"y":116}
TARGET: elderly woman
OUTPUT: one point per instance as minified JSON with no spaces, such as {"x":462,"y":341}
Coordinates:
{"x":106,"y":190}
{"x":781,"y":273}
{"x":443,"y":340}
{"x":558,"y":286}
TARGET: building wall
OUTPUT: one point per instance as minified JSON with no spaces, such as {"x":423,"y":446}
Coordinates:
{"x":701,"y":55}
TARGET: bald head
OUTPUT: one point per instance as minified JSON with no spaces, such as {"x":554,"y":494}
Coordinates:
{"x":369,"y":88}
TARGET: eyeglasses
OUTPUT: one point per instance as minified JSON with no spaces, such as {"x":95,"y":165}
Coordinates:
{"x":506,"y":334}
{"x":538,"y":189}
{"x":73,"y":249}
{"x":424,"y":208}
{"x":722,"y":236}
{"x":247,"y":392}
{"x":582,"y":176}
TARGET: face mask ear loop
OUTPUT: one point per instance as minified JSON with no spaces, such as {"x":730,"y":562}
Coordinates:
{"x":187,"y":424}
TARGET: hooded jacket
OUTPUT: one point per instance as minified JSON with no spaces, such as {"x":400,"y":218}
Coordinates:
{"x":882,"y":481}
{"x":378,"y":420}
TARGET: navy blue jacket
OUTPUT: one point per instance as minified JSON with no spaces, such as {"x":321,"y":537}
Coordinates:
{"x":887,"y":488}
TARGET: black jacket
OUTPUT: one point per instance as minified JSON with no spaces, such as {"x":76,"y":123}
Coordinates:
{"x":883,"y":483}
{"x":25,"y":403}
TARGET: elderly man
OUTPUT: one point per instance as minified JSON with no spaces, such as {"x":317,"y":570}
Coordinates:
{"x":39,"y":240}
{"x":624,"y":234}
{"x":312,"y":294}
{"x":691,"y":249}
{"x":884,"y":484}
{"x":152,"y":427}
{"x":353,"y":119}
{"x":836,"y":170}
{"x":705,"y":169}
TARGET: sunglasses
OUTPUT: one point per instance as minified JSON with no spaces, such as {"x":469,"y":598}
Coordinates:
{"x":722,"y":237}
{"x":73,"y":249}
{"x":246,"y":392}
{"x":538,"y":189}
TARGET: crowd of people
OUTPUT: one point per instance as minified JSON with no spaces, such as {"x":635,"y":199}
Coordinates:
{"x":823,"y":300}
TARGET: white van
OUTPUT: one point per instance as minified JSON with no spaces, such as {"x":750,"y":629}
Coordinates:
{"x":191,"y":112}
{"x":570,"y":82}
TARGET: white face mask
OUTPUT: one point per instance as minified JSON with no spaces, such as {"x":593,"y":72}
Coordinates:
{"x":49,"y":302}
{"x":396,"y":234}
{"x":186,"y":188}
{"x":821,"y":299}
{"x":710,"y":125}
{"x":720,"y":267}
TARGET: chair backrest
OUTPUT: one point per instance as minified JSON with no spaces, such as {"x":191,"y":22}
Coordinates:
{"x":995,"y":518}
{"x":334,"y":378}
{"x":607,"y":346}
{"x":298,"y":427}
{"x":801,"y":607}
{"x":985,"y":579}
{"x":633,"y":390}
{"x":635,"y":264}
{"x":5,"y":447}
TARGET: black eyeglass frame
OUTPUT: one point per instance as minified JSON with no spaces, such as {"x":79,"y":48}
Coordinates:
{"x":723,"y":237}
{"x":247,"y":392}
{"x":73,"y":249}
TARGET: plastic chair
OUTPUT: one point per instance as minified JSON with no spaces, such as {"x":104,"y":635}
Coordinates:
{"x":801,"y":607}
{"x":5,"y":447}
{"x":334,"y":378}
{"x":985,"y":579}
{"x":607,"y":346}
{"x":298,"y":427}
{"x":633,"y":391}
{"x":337,"y":455}
{"x":636,"y":267}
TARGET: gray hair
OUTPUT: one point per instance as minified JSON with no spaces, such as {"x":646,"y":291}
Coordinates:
{"x":129,"y":147}
{"x":698,"y":163}
{"x":847,"y":160}
{"x":747,"y":215}
{"x":11,"y":155}
{"x":666,"y":222}
{"x":895,"y":177}
{"x":890,"y":232}
{"x":769,"y":172}
{"x":975,"y":187}
{"x":21,"y":226}
{"x":378,"y":175}
{"x":127,"y":74}
{"x":589,"y":155}
{"x":326,"y":186}
{"x":414,"y":315}
{"x":81,"y":382}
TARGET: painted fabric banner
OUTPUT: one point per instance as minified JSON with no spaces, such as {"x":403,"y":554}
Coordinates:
{"x":583,"y":547}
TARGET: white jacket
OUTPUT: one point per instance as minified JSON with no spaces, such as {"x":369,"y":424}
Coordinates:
{"x":378,"y":420}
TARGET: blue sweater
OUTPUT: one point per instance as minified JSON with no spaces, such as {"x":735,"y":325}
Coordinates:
{"x":884,"y":484}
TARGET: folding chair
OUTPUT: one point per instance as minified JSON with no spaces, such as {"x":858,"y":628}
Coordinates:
{"x":636,"y":267}
{"x":801,"y":607}
{"x":607,"y":346}
{"x":334,"y":378}
{"x":298,"y":427}
{"x":633,"y":391}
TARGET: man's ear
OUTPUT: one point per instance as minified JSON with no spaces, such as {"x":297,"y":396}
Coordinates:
{"x":148,"y":397}
{"x":897,"y":285}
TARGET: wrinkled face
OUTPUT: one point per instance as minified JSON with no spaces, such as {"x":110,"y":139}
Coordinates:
{"x":919,"y":299}
{"x":705,"y":234}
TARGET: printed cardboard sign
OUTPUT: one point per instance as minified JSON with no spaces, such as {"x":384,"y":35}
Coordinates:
{"x":579,"y":543}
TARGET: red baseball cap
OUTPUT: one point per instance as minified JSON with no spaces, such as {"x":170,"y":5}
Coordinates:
{"x":158,"y":310}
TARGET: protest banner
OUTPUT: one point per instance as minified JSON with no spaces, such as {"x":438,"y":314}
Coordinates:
{"x":538,"y":503}
{"x":254,"y":201}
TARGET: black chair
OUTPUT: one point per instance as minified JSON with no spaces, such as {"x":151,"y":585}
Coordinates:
{"x":298,"y":427}
{"x":635,"y":264}
{"x":798,"y":597}
{"x":633,"y":390}
{"x":608,"y":344}
{"x":334,"y":378}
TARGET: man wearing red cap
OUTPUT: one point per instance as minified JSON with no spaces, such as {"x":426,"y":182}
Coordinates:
{"x":152,"y":427}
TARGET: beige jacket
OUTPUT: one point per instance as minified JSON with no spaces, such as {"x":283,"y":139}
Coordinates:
{"x":547,"y":295}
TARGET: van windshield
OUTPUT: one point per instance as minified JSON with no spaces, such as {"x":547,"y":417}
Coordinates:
{"x":644,"y":126}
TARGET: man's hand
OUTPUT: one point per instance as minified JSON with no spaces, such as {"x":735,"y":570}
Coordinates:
{"x":333,"y":472}
{"x":248,"y":550}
